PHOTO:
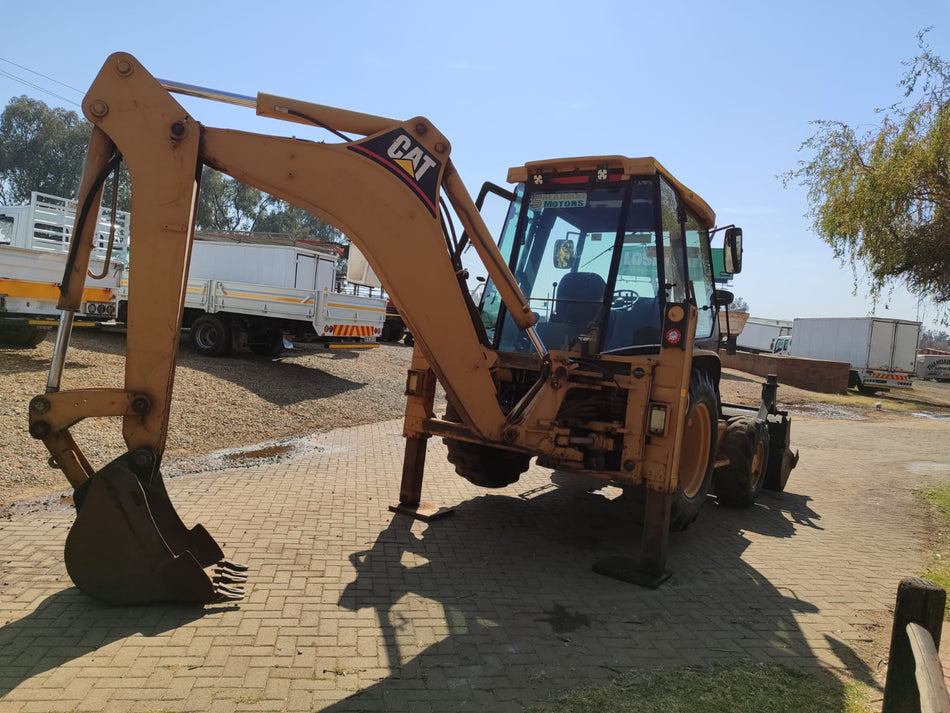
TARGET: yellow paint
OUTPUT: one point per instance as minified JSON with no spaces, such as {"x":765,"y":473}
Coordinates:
{"x":254,"y":296}
{"x":368,"y":309}
{"x":49,"y":291}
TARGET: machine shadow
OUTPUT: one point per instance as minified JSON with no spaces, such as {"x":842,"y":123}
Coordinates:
{"x":278,"y":381}
{"x":512,"y":577}
{"x":68,"y":625}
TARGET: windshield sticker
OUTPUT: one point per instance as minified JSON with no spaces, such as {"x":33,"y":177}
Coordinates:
{"x":558,"y":200}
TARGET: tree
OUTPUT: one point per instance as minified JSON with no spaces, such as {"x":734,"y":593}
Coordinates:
{"x":41,"y":149}
{"x":930,"y":339}
{"x":739,"y":305}
{"x":228,"y":205}
{"x":881,"y":199}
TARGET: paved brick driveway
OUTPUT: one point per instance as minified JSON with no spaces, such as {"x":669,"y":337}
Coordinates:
{"x":350,"y":608}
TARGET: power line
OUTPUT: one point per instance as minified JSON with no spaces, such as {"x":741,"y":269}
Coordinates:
{"x":40,"y":74}
{"x":35,"y":86}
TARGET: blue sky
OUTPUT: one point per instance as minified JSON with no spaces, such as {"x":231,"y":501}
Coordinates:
{"x":721,"y":93}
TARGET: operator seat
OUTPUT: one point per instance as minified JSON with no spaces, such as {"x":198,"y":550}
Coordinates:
{"x":580,"y":295}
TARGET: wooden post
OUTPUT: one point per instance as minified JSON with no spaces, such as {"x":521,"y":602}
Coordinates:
{"x":919,"y":602}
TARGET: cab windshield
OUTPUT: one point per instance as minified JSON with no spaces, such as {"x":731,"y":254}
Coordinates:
{"x":586,"y":259}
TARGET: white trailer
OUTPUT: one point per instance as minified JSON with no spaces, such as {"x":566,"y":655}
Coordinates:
{"x":34,"y":243}
{"x":246,"y":293}
{"x":933,"y":366}
{"x":763,"y":335}
{"x":882,"y":352}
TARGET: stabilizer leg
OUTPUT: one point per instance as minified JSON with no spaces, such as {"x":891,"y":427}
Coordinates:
{"x":410,"y":490}
{"x":650,"y":570}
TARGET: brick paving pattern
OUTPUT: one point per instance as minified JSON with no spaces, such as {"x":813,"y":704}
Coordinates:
{"x":351,"y":608}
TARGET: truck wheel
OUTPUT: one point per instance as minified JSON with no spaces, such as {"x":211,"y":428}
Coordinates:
{"x":392,"y":331}
{"x":24,"y":335}
{"x":211,"y":335}
{"x":698,"y":455}
{"x":482,"y":465}
{"x":746,"y":444}
{"x":408,"y":340}
{"x":269,"y":344}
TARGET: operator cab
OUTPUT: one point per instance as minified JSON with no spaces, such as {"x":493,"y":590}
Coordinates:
{"x":582,"y":239}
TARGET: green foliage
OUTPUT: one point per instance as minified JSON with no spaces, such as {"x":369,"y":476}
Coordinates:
{"x":738,"y":689}
{"x":881,"y":199}
{"x":41,"y":149}
{"x":739,"y":305}
{"x":231,"y":206}
{"x":939,"y":570}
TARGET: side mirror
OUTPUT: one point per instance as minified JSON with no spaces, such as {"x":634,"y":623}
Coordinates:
{"x":563,"y":254}
{"x":722,"y":298}
{"x":732,"y":251}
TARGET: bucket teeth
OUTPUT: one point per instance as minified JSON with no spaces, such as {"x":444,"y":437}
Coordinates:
{"x":233,"y":566}
{"x":221,"y":574}
{"x":224,"y":593}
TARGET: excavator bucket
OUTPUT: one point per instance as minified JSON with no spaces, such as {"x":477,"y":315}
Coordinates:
{"x":128,"y":545}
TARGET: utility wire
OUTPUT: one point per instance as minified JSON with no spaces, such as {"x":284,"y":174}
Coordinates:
{"x":33,"y":85}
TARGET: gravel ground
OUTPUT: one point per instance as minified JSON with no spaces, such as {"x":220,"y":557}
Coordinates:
{"x":244,"y":409}
{"x":225,"y":412}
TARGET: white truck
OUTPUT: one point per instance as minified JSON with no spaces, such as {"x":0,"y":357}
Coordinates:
{"x":765,"y":335}
{"x":246,"y":293}
{"x":882,"y":352}
{"x":34,"y":242}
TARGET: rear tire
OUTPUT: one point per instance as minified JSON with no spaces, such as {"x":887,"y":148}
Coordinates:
{"x":20,"y":336}
{"x":211,"y":335}
{"x":481,"y":465}
{"x":269,"y":344}
{"x":746,"y":444}
{"x":698,"y":454}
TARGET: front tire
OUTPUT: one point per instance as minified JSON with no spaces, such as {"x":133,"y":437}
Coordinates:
{"x":211,"y":335}
{"x":698,"y":454}
{"x":746,"y":444}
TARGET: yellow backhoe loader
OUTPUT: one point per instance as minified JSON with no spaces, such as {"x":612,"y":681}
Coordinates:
{"x":593,"y":347}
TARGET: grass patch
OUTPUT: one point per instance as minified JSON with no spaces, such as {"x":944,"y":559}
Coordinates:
{"x":939,"y":570}
{"x":745,"y":688}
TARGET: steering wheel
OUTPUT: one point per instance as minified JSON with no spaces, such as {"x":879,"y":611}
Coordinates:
{"x":624,"y":300}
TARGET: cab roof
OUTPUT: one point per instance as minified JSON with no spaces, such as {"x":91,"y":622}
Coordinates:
{"x":646,"y":166}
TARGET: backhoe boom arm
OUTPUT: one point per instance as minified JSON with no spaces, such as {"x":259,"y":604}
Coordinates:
{"x":382,"y":191}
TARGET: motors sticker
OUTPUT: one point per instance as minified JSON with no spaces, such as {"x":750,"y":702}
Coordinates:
{"x":408,"y":160}
{"x":558,"y":200}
